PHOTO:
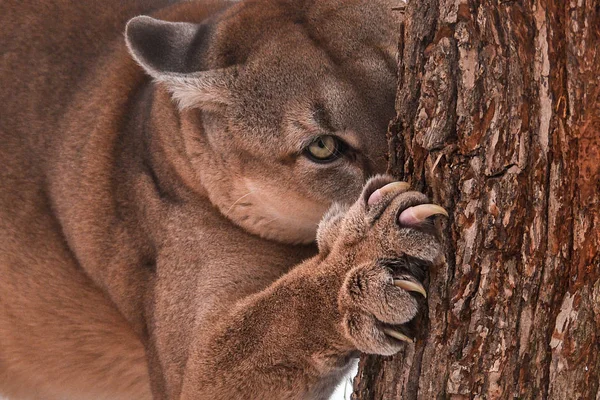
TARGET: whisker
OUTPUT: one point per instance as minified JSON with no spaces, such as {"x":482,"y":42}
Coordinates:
{"x":271,"y":220}
{"x":236,"y":202}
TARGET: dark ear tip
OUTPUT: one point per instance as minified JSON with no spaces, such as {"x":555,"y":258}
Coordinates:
{"x":162,"y":48}
{"x":136,"y":25}
{"x":144,"y":37}
{"x":139,"y":21}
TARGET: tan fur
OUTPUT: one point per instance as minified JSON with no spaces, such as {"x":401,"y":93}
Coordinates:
{"x":153,"y":231}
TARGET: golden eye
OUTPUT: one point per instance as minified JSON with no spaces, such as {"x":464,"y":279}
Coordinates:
{"x":325,"y":149}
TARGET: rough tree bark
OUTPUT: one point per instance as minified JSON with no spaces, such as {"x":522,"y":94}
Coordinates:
{"x":499,"y":121}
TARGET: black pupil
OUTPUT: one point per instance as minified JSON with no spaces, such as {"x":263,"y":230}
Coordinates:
{"x":321,"y":143}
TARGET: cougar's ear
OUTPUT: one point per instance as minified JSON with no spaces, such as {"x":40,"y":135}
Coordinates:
{"x":171,"y":52}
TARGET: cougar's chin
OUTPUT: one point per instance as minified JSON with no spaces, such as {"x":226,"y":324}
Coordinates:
{"x":278,"y":215}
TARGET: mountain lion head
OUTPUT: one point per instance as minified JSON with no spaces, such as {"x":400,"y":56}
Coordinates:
{"x":284,"y":105}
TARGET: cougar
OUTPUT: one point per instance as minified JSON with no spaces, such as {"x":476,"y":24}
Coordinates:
{"x":193,"y":198}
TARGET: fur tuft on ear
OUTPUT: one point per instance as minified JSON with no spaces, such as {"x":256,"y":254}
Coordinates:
{"x":172,"y":53}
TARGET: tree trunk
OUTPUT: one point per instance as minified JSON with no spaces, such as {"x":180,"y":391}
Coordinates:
{"x":499,"y":122}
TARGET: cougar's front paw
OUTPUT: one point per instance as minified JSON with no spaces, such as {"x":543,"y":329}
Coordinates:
{"x":385,"y":241}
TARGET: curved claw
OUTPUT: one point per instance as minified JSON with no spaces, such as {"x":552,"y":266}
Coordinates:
{"x":377,"y":195}
{"x":417,"y":214}
{"x":410,"y":286}
{"x":397,"y":335}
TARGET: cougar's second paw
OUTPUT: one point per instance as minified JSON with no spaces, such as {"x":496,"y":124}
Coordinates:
{"x":379,"y":300}
{"x":388,"y":243}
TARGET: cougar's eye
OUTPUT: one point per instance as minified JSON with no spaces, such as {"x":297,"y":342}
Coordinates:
{"x":325,"y":149}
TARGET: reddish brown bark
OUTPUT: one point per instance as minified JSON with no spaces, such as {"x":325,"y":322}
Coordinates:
{"x":499,"y":121}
